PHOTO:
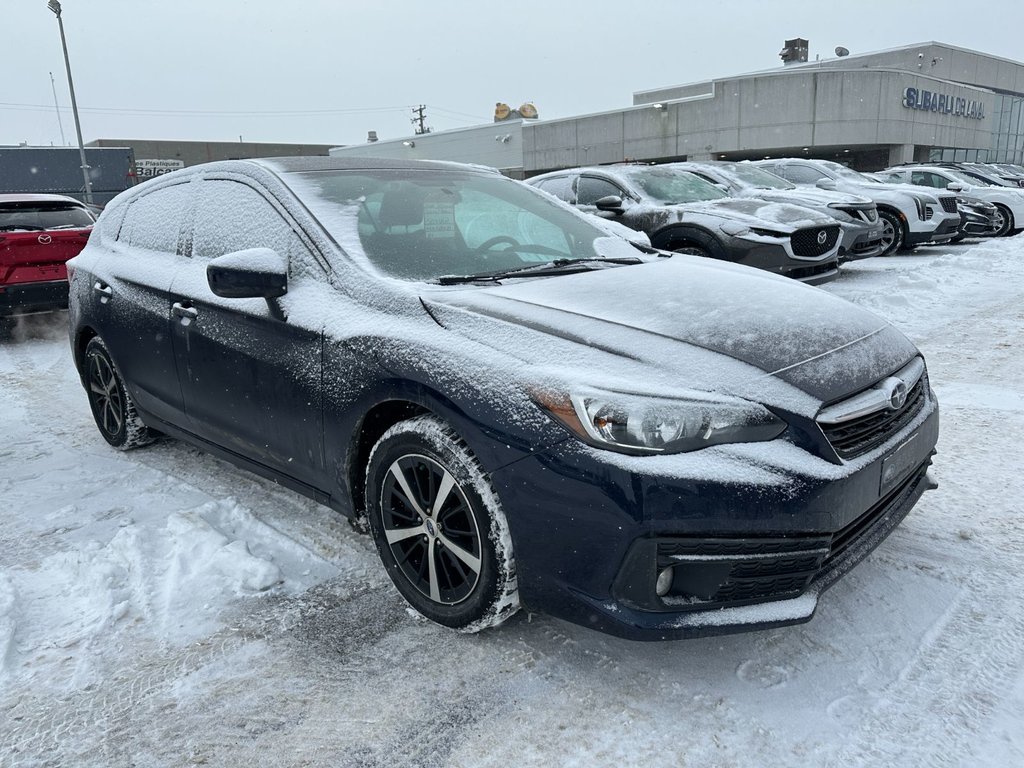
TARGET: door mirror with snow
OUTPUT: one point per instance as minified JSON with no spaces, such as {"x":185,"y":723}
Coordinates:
{"x":252,"y":273}
{"x":955,"y":186}
{"x":610,"y":203}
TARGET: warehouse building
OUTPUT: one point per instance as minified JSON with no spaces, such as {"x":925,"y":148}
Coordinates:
{"x":929,"y":101}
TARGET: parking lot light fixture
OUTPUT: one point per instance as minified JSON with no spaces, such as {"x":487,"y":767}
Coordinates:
{"x":54,"y":6}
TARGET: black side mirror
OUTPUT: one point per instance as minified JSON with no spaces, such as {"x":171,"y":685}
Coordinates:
{"x":253,"y":273}
{"x":610,"y":203}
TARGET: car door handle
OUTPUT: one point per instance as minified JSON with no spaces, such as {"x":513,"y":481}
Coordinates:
{"x":184,"y":311}
{"x":104,"y":290}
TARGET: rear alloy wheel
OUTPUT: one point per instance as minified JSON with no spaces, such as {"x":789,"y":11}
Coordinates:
{"x":439,"y":528}
{"x":892,"y":233}
{"x":1003,"y":221}
{"x":111,"y":405}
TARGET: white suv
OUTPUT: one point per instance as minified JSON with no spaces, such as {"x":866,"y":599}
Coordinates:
{"x":909,"y":217}
{"x":1009,"y":202}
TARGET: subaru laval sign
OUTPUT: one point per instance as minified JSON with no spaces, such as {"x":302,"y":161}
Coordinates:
{"x":914,"y":98}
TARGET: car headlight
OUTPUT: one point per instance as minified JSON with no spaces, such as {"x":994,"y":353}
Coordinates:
{"x":921,"y":207}
{"x":648,"y":424}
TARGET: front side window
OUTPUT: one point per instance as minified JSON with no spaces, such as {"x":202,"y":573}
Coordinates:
{"x":591,"y":189}
{"x":425,"y":224}
{"x":752,"y":176}
{"x":231,"y":216}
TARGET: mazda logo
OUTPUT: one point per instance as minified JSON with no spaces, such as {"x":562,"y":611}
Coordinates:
{"x":897,"y":395}
{"x":822,"y":237}
{"x":44,"y":239}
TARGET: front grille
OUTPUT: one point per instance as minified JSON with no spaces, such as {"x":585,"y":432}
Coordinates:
{"x":720,"y":573}
{"x":867,"y":245}
{"x":948,"y":204}
{"x":857,"y":436}
{"x":806,"y":242}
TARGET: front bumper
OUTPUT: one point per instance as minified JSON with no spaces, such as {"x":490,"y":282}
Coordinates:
{"x":26,"y":298}
{"x":751,"y":548}
{"x":941,"y":228}
{"x":779,"y":260}
{"x":861,"y":241}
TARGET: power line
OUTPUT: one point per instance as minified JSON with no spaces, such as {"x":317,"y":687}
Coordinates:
{"x":14,"y":106}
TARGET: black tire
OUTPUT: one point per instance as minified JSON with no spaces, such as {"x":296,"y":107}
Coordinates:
{"x":453,"y":563}
{"x":691,"y":250}
{"x":1004,"y":217}
{"x":893,"y":235}
{"x":111,"y":405}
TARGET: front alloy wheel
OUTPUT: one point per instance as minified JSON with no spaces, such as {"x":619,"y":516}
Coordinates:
{"x":439,"y":527}
{"x":431,"y":530}
{"x":892,"y":233}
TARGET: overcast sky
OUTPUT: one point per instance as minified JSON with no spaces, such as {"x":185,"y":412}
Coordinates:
{"x":326,"y":72}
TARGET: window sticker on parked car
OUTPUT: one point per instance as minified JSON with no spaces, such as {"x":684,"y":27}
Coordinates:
{"x":439,"y":219}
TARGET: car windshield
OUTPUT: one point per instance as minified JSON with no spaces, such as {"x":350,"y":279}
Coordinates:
{"x":846,"y":173}
{"x":961,"y":177}
{"x":752,"y":176}
{"x":668,"y":186}
{"x":428,"y":224}
{"x":40,"y":217}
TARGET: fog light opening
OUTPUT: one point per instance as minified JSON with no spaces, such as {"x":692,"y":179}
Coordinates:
{"x":664,"y":582}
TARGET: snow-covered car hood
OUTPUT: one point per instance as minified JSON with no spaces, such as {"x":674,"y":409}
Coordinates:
{"x":809,"y":197}
{"x":696,"y":322}
{"x":753,"y":212}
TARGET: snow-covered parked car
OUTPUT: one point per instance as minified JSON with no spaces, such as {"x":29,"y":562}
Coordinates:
{"x":857,"y":215}
{"x":1009,"y":201}
{"x":522,"y":408}
{"x":910,"y":217}
{"x":682,"y":212}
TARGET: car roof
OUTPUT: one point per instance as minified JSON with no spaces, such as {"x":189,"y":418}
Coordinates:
{"x":320,"y":163}
{"x":28,"y":197}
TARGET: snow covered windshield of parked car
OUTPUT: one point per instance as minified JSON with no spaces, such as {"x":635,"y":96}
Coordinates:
{"x":753,"y":176}
{"x":669,"y":187}
{"x":847,"y":173}
{"x":425,"y":224}
{"x":39,"y":217}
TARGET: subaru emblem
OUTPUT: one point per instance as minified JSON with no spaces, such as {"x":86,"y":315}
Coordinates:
{"x":897,"y":395}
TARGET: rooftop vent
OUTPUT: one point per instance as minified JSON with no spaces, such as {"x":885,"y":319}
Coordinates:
{"x":795,"y":51}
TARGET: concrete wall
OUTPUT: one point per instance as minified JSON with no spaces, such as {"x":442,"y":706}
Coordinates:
{"x":772,"y":112}
{"x":498,"y":145}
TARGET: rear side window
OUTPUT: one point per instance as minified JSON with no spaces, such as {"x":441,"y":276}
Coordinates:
{"x":39,"y":216}
{"x":560,"y":187}
{"x":154,"y":221}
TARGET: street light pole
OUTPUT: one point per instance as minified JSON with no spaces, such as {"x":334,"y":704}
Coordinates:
{"x":54,"y":6}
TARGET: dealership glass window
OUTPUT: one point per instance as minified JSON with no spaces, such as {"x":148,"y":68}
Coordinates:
{"x":153,"y":221}
{"x":589,"y":190}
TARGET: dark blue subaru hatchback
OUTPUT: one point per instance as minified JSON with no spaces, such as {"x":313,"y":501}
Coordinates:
{"x":524,"y":408}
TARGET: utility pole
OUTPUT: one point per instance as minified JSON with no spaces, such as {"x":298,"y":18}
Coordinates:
{"x":420,"y":121}
{"x":56,"y":107}
{"x":54,"y":5}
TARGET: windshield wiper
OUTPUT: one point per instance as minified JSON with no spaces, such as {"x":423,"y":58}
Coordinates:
{"x":556,"y":267}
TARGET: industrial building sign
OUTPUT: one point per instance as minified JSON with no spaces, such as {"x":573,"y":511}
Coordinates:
{"x":941,"y":102}
{"x":147,"y":169}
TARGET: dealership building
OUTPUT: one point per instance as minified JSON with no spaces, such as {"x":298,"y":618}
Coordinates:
{"x":929,"y":101}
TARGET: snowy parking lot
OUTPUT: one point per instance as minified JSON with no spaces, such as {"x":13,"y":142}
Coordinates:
{"x":163,"y":608}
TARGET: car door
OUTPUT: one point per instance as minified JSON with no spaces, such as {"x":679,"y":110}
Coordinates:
{"x":129,"y":295}
{"x":251,"y":377}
